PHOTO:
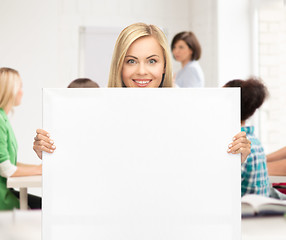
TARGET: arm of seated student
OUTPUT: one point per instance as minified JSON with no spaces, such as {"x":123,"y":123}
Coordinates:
{"x":43,"y":143}
{"x":27,"y":170}
{"x":7,"y":169}
{"x":277,"y":155}
{"x":241,"y":145}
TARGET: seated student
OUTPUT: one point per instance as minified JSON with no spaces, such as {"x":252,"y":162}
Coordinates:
{"x":10,"y":96}
{"x":83,"y":83}
{"x":254,"y":174}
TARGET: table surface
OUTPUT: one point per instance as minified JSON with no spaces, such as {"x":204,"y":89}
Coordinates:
{"x":263,"y":228}
{"x":277,"y":179}
{"x":24,"y":182}
{"x":257,"y":228}
{"x":27,"y":225}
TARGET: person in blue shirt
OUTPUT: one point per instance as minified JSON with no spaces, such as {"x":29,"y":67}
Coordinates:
{"x":186,"y":49}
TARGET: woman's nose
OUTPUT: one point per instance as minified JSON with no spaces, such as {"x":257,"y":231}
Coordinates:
{"x":142,"y":69}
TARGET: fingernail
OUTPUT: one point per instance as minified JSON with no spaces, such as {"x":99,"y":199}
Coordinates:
{"x":53,"y":146}
{"x":51,"y":142}
{"x":230,"y":145}
{"x":233,"y":138}
{"x":228,"y":150}
{"x":48,"y":135}
{"x":51,"y":150}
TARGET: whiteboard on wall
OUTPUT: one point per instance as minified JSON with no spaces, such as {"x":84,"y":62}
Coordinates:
{"x":96,"y":48}
{"x":141,"y":164}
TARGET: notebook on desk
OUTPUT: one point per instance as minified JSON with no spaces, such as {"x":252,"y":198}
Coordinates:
{"x":257,"y":205}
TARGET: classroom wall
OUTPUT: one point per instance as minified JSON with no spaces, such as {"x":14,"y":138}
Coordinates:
{"x":234,"y":40}
{"x":203,"y":22}
{"x":272,"y":39}
{"x":29,"y":43}
{"x":41,"y":39}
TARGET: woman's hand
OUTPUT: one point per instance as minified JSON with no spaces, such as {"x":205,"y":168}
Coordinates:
{"x":43,"y":143}
{"x":241,"y":145}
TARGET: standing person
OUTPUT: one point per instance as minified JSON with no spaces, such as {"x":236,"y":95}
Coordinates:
{"x":10,"y":96}
{"x":187,"y":50}
{"x":141,"y":59}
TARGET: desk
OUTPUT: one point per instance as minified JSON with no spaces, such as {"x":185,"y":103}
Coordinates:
{"x":23,"y":183}
{"x":263,"y":228}
{"x":277,"y":179}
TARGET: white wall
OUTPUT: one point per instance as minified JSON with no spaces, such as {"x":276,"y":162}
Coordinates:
{"x":234,"y":40}
{"x":272,"y":41}
{"x":29,"y":43}
{"x":224,"y":29}
{"x":203,"y":22}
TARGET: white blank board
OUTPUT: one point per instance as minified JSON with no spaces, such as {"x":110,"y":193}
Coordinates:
{"x":141,"y":164}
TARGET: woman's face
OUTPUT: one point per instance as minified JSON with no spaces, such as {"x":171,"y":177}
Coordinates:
{"x":19,"y":96}
{"x":182,"y":52}
{"x":143,"y":64}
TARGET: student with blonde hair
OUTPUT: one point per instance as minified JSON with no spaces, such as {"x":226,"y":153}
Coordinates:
{"x":141,"y":59}
{"x":10,"y":95}
{"x":137,"y":38}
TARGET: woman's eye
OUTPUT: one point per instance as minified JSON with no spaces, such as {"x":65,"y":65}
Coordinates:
{"x":131,"y":61}
{"x":152,"y":61}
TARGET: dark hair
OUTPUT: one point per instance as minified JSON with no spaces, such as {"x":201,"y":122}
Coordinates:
{"x":191,"y":40}
{"x":83,"y":83}
{"x":253,"y":94}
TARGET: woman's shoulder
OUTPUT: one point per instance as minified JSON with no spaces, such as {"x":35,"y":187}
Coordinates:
{"x":3,"y":120}
{"x":193,"y":64}
{"x":192,"y":67}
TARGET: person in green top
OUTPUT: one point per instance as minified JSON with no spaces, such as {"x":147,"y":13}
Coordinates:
{"x":10,"y":95}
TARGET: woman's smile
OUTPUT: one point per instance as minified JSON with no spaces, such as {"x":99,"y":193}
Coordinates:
{"x":142,"y":82}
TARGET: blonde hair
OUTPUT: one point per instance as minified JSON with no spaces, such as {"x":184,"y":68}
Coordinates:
{"x":124,"y":41}
{"x":10,"y":84}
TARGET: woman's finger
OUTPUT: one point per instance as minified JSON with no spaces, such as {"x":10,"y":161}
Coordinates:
{"x":45,"y":144}
{"x":42,"y":132}
{"x":41,"y":147}
{"x":40,"y":137}
{"x":240,"y":144}
{"x":239,"y":135}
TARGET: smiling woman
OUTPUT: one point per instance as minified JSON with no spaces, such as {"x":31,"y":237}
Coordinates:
{"x":141,"y":58}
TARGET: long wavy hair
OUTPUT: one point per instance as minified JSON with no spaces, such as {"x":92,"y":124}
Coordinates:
{"x":124,"y":41}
